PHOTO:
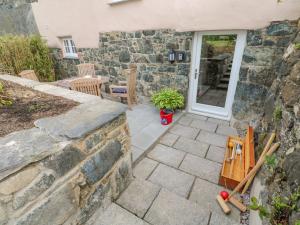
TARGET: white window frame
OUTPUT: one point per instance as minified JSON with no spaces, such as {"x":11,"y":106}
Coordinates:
{"x":69,"y":48}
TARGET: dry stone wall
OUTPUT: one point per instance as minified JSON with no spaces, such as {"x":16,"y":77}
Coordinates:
{"x":67,"y":167}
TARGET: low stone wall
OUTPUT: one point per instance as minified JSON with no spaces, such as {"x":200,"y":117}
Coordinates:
{"x":66,"y":167}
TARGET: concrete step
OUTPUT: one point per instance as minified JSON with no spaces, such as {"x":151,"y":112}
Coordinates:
{"x":222,"y":86}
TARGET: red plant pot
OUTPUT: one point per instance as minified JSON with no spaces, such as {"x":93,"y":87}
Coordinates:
{"x":165,"y":118}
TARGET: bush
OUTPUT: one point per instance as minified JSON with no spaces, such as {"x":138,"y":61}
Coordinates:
{"x":168,"y":99}
{"x":19,"y":53}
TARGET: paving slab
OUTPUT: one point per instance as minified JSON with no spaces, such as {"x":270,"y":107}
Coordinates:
{"x":116,"y":215}
{"x":148,"y":135}
{"x":184,"y":131}
{"x":138,"y":197}
{"x":215,"y":154}
{"x":218,"y":121}
{"x":191,"y":146}
{"x":212,"y":138}
{"x":168,"y":139}
{"x":202,"y":168}
{"x":204,"y":125}
{"x":170,"y":209}
{"x":217,"y":219}
{"x":204,"y":193}
{"x":185,"y":120}
{"x":172,"y":179}
{"x":197,"y":117}
{"x":226,"y":130}
{"x":167,"y":155}
{"x":144,"y":168}
{"x":136,"y":153}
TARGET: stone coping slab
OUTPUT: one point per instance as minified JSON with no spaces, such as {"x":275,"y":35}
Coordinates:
{"x":52,"y":134}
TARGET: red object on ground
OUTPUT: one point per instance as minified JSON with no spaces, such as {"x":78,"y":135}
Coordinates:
{"x":224,"y":194}
{"x":165,"y":118}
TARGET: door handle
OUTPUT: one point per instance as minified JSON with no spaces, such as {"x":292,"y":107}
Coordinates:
{"x":196,"y":73}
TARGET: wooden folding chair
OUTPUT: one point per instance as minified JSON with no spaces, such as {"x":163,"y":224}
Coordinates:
{"x":126,"y":89}
{"x":28,"y":74}
{"x":90,"y":86}
{"x":86,"y":69}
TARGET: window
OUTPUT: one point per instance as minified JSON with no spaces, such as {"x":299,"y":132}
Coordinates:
{"x":69,"y":48}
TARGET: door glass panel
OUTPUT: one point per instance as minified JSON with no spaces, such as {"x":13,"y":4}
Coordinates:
{"x":215,"y":67}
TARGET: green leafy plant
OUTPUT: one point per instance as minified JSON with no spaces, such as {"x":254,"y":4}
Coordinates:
{"x":297,"y":46}
{"x":297,"y":222}
{"x":19,"y":53}
{"x":168,"y":99}
{"x":271,"y":162}
{"x":277,"y":114}
{"x":262,"y":211}
{"x":4,"y":100}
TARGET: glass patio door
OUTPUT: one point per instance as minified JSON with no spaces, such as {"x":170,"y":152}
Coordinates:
{"x":216,"y":62}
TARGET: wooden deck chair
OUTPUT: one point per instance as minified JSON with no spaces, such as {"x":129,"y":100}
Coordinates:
{"x":88,"y":86}
{"x":127,"y":89}
{"x":28,"y":74}
{"x":86,"y":69}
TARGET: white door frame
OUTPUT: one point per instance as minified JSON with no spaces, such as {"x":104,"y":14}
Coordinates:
{"x":208,"y":110}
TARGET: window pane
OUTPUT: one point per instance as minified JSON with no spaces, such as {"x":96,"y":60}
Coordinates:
{"x":215,"y":68}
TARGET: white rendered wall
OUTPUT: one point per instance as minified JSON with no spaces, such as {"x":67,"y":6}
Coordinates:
{"x":84,"y":19}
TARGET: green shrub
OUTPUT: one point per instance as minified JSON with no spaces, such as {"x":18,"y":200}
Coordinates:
{"x":4,"y":100}
{"x":19,"y":53}
{"x":168,"y":99}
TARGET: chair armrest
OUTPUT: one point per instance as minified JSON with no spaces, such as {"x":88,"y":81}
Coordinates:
{"x":122,"y":83}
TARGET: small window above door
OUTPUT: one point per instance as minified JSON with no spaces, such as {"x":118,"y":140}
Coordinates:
{"x":69,"y":48}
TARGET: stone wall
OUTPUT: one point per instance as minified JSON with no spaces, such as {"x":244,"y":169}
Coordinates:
{"x":260,"y":67}
{"x":66,"y":167}
{"x":16,"y":17}
{"x":268,"y":97}
{"x":149,"y":50}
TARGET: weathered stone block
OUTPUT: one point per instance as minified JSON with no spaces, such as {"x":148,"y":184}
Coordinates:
{"x":32,"y":191}
{"x":99,"y":199}
{"x":100,"y":163}
{"x":93,"y":115}
{"x":55,"y":209}
{"x":290,"y":93}
{"x":295,"y":73}
{"x":124,"y":56}
{"x":64,"y":161}
{"x":259,"y":56}
{"x":249,"y":92}
{"x":262,"y":75}
{"x":254,"y":37}
{"x":122,"y":177}
{"x":280,"y":28}
{"x":148,"y":32}
{"x":21,"y":148}
{"x":18,"y":181}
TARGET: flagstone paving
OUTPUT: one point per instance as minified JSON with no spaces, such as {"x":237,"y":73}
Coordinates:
{"x":176,"y":182}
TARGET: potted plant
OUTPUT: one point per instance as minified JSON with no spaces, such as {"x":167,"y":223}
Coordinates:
{"x":167,"y":100}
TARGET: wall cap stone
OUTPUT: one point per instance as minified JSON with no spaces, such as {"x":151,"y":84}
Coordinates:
{"x":53,"y":134}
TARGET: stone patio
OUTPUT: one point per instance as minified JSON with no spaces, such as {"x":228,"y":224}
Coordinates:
{"x":176,"y":181}
{"x":145,"y":127}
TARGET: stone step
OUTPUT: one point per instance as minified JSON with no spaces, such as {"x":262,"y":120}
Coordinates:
{"x":225,"y":80}
{"x":222,"y":86}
